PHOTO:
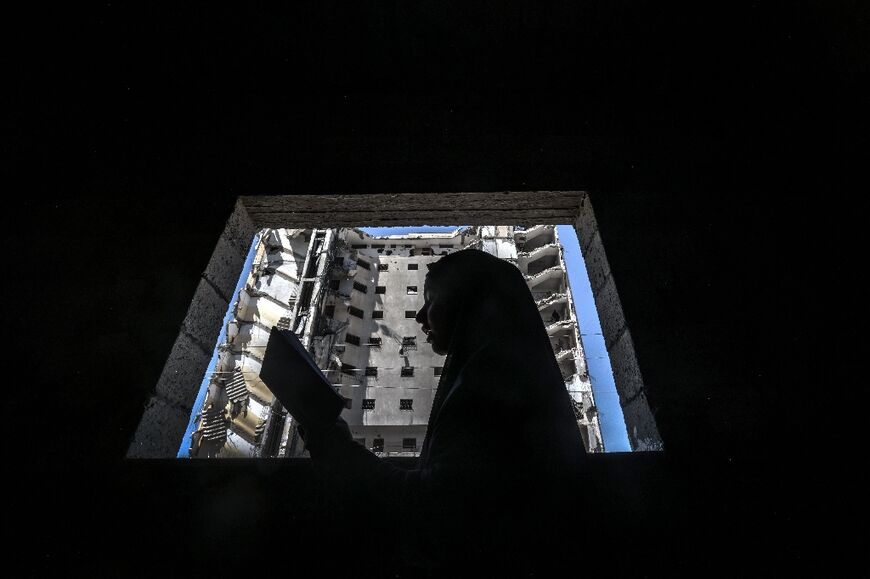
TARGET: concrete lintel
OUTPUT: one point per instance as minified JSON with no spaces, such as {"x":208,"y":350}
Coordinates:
{"x":471,"y":208}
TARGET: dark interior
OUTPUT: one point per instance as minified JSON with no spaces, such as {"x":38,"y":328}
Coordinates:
{"x":695,"y":133}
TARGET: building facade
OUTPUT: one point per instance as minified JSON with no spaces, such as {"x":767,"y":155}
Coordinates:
{"x":352,"y":299}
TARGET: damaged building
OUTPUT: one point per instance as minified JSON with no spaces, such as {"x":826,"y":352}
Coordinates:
{"x":352,"y":299}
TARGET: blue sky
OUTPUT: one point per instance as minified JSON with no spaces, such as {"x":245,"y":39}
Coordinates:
{"x":603,"y":386}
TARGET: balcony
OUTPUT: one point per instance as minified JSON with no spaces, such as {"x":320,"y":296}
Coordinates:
{"x":548,"y":280}
{"x":549,"y":298}
{"x":556,"y":327}
{"x":535,"y":237}
{"x":524,"y":258}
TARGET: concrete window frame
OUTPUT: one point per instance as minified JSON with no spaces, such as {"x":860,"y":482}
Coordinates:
{"x":167,"y":412}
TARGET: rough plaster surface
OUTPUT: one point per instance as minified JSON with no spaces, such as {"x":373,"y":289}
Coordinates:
{"x":585,"y":223}
{"x":640,"y":424}
{"x":206,"y":313}
{"x":610,"y":312}
{"x":643,"y":433}
{"x":596,"y":263}
{"x":160,"y":430}
{"x":240,"y":229}
{"x":639,"y":421}
{"x":222,"y":270}
{"x":625,"y":370}
{"x":186,"y":365}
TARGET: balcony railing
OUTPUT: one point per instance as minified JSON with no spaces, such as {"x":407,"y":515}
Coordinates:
{"x":556,"y":326}
{"x":537,"y":252}
{"x":532,"y":279}
{"x":532,"y":231}
{"x":549,"y":298}
{"x":396,"y":450}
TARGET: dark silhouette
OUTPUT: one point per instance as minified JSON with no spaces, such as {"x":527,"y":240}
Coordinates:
{"x":502,"y":444}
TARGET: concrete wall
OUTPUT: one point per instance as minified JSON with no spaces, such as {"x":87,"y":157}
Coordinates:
{"x":167,"y":412}
{"x":387,"y":420}
{"x":639,"y":421}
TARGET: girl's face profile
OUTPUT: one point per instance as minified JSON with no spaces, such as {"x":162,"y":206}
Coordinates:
{"x":434,"y":316}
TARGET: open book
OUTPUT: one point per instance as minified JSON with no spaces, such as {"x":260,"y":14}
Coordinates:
{"x":298,"y":383}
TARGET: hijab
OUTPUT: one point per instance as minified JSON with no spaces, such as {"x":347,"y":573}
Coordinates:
{"x":494,"y":306}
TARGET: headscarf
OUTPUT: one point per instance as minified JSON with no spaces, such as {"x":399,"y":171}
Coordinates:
{"x":495,"y":306}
